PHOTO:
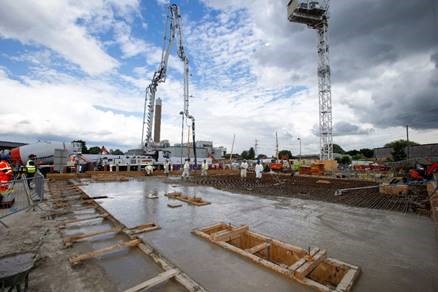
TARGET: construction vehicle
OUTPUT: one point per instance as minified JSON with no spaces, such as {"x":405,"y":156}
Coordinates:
{"x":421,"y":172}
{"x":173,"y":24}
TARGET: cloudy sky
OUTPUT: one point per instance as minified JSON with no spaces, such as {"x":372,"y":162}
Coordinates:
{"x":78,"y":70}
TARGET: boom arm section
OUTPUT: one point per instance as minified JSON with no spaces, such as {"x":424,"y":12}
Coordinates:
{"x":161,"y":74}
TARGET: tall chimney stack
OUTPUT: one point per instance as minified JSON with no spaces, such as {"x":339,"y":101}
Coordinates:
{"x":157,"y":122}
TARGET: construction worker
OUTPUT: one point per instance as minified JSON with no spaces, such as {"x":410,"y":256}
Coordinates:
{"x":204,"y":168}
{"x":186,"y":170}
{"x":243,"y":169}
{"x":149,"y":169}
{"x":166,"y":167}
{"x":6,"y":175}
{"x":259,"y":170}
{"x":31,"y":169}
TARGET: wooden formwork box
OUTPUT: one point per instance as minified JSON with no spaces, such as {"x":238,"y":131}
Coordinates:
{"x":311,"y":268}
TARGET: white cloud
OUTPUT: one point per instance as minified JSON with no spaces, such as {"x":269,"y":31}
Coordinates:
{"x":65,"y":108}
{"x":53,"y":24}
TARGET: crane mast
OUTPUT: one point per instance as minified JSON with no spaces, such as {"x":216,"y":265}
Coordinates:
{"x":174,"y":30}
{"x":315,"y":15}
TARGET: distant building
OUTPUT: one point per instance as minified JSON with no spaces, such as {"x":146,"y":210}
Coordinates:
{"x":219,"y":152}
{"x":204,"y":149}
{"x":175,"y":151}
{"x":424,"y":152}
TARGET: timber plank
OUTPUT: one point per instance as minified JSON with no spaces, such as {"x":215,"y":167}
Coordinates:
{"x":228,"y":235}
{"x":68,"y":241}
{"x":76,"y":259}
{"x":310,"y":264}
{"x":142,"y":228}
{"x":347,"y":281}
{"x":160,"y":278}
{"x":258,"y":247}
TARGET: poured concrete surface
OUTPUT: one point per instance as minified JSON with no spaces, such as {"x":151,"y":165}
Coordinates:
{"x":395,"y":252}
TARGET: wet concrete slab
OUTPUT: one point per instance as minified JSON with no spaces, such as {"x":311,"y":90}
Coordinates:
{"x":395,"y":252}
{"x":125,"y":267}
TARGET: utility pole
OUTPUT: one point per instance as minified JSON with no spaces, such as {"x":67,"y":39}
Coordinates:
{"x":232,"y":148}
{"x":276,"y":145}
{"x":255,"y":148}
{"x":407,"y":139}
{"x":299,"y":139}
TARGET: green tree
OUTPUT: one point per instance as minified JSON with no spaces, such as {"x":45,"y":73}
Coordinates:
{"x":338,"y":149}
{"x":358,"y":156}
{"x":346,"y":160}
{"x":251,"y":153}
{"x":116,"y":152}
{"x":285,"y":154}
{"x":367,"y":153}
{"x":244,"y":154}
{"x":352,"y":152}
{"x":398,"y":148}
{"x":402,"y":142}
{"x":84,"y":149}
{"x":94,"y":150}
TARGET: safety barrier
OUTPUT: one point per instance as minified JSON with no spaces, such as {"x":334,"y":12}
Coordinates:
{"x":22,"y":193}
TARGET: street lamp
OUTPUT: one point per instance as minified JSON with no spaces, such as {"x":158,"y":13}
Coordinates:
{"x":299,"y":139}
{"x":182,"y":135}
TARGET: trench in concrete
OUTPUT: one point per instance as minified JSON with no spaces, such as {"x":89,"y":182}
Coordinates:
{"x":395,"y":252}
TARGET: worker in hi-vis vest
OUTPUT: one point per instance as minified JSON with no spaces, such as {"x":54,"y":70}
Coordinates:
{"x":31,"y":169}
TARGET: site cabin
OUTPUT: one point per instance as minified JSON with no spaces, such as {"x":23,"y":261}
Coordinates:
{"x":312,"y":268}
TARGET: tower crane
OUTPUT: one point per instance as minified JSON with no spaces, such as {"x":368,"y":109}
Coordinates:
{"x":173,"y":31}
{"x":315,"y":15}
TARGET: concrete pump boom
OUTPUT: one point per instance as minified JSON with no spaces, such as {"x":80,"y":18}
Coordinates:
{"x":161,"y":74}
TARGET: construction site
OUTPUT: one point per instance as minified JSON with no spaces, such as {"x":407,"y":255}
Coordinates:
{"x":193,"y":217}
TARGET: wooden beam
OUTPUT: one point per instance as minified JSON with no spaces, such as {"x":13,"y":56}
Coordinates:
{"x":142,"y":228}
{"x":76,"y":259}
{"x":160,"y":278}
{"x":231,"y":234}
{"x":310,"y":264}
{"x":68,"y":241}
{"x":258,"y":247}
{"x":302,"y":261}
{"x":347,"y":281}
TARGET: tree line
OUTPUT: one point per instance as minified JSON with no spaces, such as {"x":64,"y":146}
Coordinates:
{"x":95,"y":149}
